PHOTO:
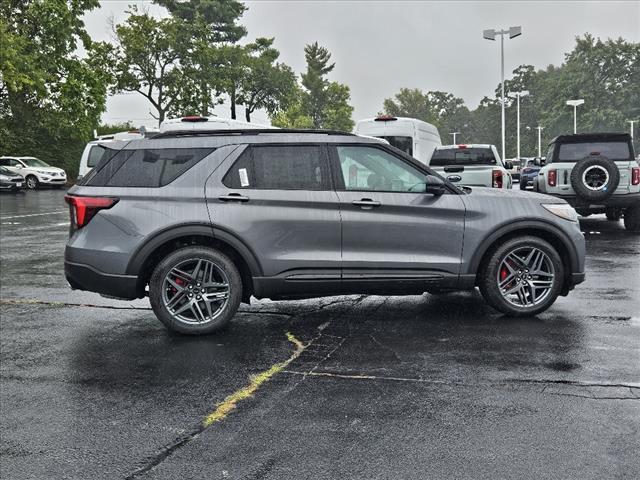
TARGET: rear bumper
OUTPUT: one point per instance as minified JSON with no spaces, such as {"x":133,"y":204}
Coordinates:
{"x":86,"y":277}
{"x":624,"y":200}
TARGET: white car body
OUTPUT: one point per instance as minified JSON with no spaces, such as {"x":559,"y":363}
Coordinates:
{"x":43,"y":175}
{"x":472,"y":174}
{"x":414,"y":137}
{"x":195,"y":123}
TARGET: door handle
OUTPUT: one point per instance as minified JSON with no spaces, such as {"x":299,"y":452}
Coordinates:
{"x":366,"y":203}
{"x":233,"y":197}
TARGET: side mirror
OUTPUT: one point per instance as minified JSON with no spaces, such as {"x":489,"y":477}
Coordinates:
{"x":508,"y":165}
{"x":434,"y":185}
{"x":543,"y":161}
{"x":18,"y":165}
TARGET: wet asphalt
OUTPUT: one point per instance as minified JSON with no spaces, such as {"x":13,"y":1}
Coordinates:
{"x":363,"y":387}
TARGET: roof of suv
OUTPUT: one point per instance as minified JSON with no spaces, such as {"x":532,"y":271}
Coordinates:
{"x":245,"y":131}
{"x":590,"y":137}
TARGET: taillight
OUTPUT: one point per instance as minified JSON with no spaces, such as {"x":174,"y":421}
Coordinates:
{"x":194,"y":118}
{"x":83,"y":209}
{"x":552,"y":178}
{"x":497,"y":178}
{"x":635,"y":176}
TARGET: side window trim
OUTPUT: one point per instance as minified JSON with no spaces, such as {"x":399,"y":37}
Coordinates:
{"x":324,"y":154}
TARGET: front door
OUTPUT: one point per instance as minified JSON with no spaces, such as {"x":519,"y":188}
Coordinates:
{"x":392,"y":231}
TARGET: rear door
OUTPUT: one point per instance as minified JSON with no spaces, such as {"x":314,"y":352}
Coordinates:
{"x":279,"y":200}
{"x":466,"y":165}
{"x":393,"y":232}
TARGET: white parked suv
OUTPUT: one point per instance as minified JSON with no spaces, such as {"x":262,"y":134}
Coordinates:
{"x":595,"y":173}
{"x":473,"y":165}
{"x":35,"y":171}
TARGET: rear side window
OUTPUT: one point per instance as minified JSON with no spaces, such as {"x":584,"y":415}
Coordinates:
{"x":144,"y":167}
{"x":462,"y":156}
{"x":95,"y":154}
{"x":280,"y":167}
{"x":572,"y":152}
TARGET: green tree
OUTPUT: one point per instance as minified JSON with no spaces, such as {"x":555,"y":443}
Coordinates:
{"x":50,"y":98}
{"x":146,"y":59}
{"x":265,"y":84}
{"x":325,"y":102}
{"x":212,"y":61}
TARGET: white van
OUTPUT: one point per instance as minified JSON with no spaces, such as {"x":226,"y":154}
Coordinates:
{"x":196,"y":122}
{"x":414,"y":137}
{"x":93,"y":151}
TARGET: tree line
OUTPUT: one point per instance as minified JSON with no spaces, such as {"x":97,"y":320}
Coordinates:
{"x":54,"y":80}
{"x":606,"y":74}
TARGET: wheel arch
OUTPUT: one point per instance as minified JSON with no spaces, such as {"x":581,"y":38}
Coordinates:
{"x":546,"y":231}
{"x":144,"y":260}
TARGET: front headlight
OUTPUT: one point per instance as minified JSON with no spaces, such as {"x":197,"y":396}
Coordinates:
{"x":562,"y":210}
{"x":42,"y":172}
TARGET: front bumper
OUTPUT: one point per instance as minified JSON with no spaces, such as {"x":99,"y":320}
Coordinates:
{"x":88,"y":278}
{"x":4,"y":185}
{"x":49,"y":180}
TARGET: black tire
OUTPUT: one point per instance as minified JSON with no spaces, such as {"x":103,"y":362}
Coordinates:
{"x":523,"y":186}
{"x":488,"y":275}
{"x":632,"y":219}
{"x":193,"y":254}
{"x":613,"y":215}
{"x":32,"y":182}
{"x":594,"y":187}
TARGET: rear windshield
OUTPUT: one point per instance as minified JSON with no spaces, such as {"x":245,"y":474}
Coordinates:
{"x":143,"y":167}
{"x":462,"y":156}
{"x":401,"y":143}
{"x":572,"y":152}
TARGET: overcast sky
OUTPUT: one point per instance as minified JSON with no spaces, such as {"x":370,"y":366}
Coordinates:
{"x":381,"y":46}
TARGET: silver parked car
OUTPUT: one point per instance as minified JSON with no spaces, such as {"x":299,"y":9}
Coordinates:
{"x":201,"y":221}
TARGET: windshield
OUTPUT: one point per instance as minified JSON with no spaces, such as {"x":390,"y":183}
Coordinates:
{"x":572,"y":152}
{"x":34,"y":162}
{"x":401,"y":143}
{"x":463,"y":156}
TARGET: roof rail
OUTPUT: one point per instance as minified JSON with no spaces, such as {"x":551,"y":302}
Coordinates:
{"x":246,"y":131}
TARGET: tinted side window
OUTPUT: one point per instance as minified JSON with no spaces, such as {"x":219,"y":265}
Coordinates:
{"x":4,"y":162}
{"x":280,"y":167}
{"x":144,"y":167}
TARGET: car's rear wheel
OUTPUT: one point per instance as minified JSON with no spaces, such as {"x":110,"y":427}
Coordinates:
{"x":32,"y":182}
{"x":195,"y":290}
{"x":613,"y":214}
{"x":522,"y":277}
{"x":632,"y":218}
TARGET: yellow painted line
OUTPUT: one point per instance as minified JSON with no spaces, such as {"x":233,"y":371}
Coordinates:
{"x":228,"y":404}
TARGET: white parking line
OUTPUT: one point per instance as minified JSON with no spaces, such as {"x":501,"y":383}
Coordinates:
{"x":34,"y":215}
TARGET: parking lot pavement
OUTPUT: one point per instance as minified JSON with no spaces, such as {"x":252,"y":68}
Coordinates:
{"x":341,"y":387}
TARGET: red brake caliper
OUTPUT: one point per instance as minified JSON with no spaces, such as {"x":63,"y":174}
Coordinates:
{"x":503,"y":273}
{"x":180,"y":282}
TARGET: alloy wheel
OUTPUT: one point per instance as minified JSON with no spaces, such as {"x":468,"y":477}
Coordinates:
{"x":526,"y":277}
{"x":195,"y":291}
{"x":595,"y":177}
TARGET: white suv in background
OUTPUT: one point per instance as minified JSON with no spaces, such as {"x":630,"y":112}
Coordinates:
{"x":473,"y":165}
{"x":35,"y":171}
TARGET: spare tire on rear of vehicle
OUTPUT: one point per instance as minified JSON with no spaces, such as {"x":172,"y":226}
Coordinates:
{"x":595,"y":178}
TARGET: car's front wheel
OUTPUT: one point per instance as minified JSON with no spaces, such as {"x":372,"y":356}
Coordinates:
{"x":522,"y":277}
{"x":32,"y":182}
{"x":195,"y":290}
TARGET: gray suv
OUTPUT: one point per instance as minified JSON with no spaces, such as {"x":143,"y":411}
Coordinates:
{"x":202,"y":221}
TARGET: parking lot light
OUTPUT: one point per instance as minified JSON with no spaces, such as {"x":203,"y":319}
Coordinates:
{"x":575,"y":104}
{"x":517,"y":96}
{"x":454,"y":136}
{"x":491,"y":35}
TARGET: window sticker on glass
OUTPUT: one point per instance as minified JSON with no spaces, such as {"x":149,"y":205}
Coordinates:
{"x":244,"y":178}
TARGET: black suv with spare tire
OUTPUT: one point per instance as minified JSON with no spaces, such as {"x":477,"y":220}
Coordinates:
{"x":595,"y":173}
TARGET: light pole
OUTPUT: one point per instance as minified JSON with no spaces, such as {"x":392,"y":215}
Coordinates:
{"x":517,"y":95}
{"x":575,"y":104}
{"x":491,"y":35}
{"x":539,"y":128}
{"x":454,"y":136}
{"x":631,"y":122}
